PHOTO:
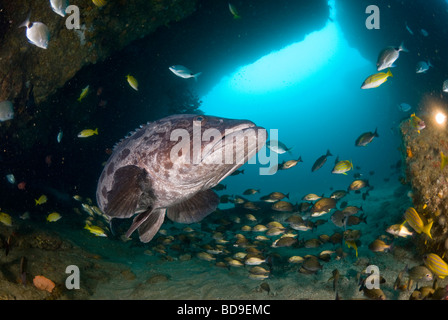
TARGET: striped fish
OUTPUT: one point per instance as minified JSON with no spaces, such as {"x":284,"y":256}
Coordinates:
{"x":436,"y":265}
{"x":99,"y":3}
{"x":342,"y":167}
{"x":358,"y":184}
{"x":375,"y":80}
{"x":412,"y":217}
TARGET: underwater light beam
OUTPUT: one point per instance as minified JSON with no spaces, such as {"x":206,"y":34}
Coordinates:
{"x":440,"y":118}
{"x":293,"y":64}
{"x":289,"y":66}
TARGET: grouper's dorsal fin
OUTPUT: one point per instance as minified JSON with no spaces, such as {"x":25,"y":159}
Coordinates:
{"x":194,"y":209}
{"x":130,"y":134}
{"x":129,"y":184}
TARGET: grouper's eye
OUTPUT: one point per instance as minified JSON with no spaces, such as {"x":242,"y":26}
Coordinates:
{"x":199,"y":119}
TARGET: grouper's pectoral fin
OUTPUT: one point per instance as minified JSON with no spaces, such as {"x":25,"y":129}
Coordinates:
{"x":137,"y":222}
{"x":148,"y":223}
{"x":151,"y":225}
{"x":129,"y":184}
{"x":194,"y":209}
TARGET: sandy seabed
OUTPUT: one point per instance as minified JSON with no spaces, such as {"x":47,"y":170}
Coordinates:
{"x":113,"y":269}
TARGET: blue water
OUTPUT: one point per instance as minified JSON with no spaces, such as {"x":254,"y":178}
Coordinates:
{"x":310,"y":93}
{"x":306,"y":94}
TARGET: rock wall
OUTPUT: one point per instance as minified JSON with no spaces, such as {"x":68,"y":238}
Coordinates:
{"x":119,"y":40}
{"x":103,"y":31}
{"x":422,"y":158}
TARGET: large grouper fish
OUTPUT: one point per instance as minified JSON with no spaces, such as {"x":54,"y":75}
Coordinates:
{"x":169,"y":166}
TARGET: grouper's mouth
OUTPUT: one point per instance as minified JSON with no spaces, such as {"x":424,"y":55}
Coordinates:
{"x":247,"y":129}
{"x":215,"y":151}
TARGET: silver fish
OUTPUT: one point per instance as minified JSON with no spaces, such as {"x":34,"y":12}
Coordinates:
{"x":151,"y":173}
{"x":6,"y":111}
{"x":59,"y":137}
{"x":277,"y":147}
{"x":339,"y":218}
{"x":36,"y":32}
{"x":423,"y":66}
{"x":388,"y":56}
{"x":445,"y":86}
{"x":11,"y":179}
{"x":184,"y":72}
{"x":59,"y":6}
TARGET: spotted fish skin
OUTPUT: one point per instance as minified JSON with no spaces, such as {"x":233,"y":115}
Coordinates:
{"x":142,"y":176}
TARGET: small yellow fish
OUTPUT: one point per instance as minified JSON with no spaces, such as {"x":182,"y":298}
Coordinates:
{"x":42,"y":199}
{"x":275,"y":224}
{"x":296,"y":259}
{"x":83,"y":94}
{"x":240,"y":255}
{"x":443,"y":161}
{"x":311,"y":197}
{"x":234,"y":12}
{"x":5,"y":219}
{"x":412,"y":217}
{"x":352,"y":244}
{"x":95,"y":230}
{"x":438,"y":266}
{"x":358,"y":184}
{"x":132,"y":82}
{"x":376,"y":80}
{"x":250,"y":217}
{"x":261,"y":238}
{"x":53,"y":217}
{"x":205,"y":256}
{"x":259,"y":228}
{"x":342,"y":167}
{"x":87,"y":133}
{"x":379,"y":246}
{"x":87,"y":209}
{"x":254,"y":261}
{"x":290,"y":163}
{"x":99,"y":3}
{"x":417,"y":123}
{"x":234,"y":263}
{"x":258,"y":276}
